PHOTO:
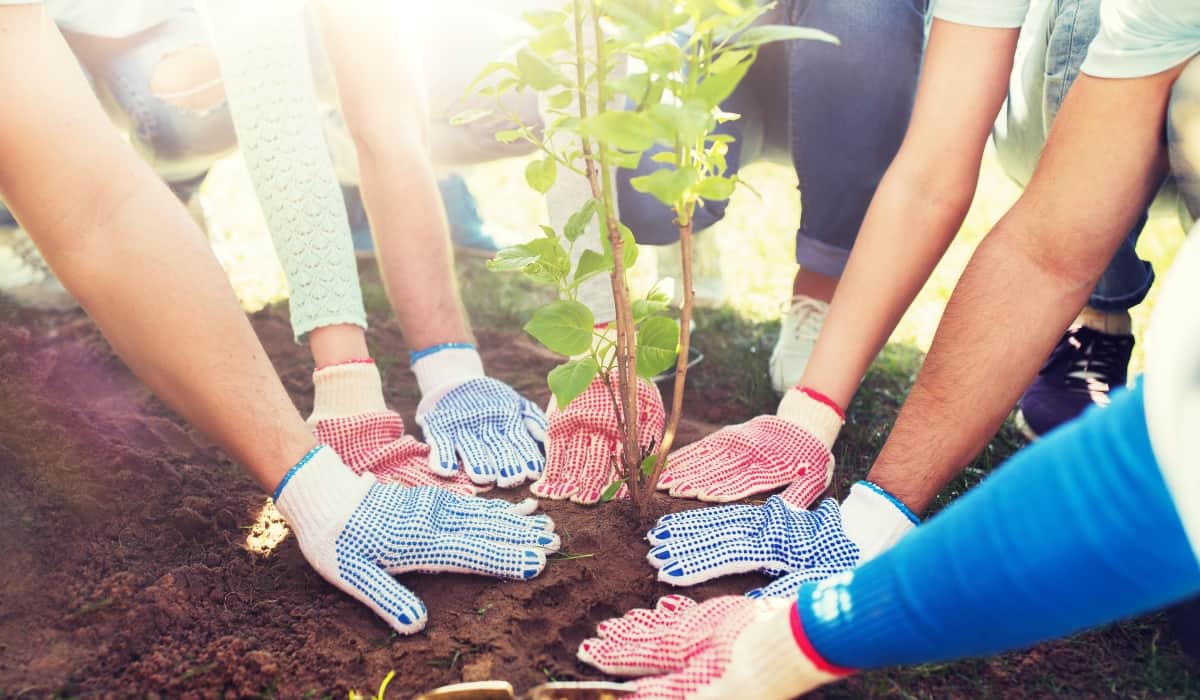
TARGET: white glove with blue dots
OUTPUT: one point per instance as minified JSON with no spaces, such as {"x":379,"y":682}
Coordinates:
{"x":357,"y":533}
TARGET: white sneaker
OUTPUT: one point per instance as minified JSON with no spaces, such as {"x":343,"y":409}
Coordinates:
{"x":801,"y":324}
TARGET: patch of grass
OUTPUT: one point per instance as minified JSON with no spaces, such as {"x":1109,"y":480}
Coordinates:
{"x":90,"y":608}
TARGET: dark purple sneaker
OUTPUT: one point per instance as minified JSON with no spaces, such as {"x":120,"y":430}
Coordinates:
{"x":1085,"y":365}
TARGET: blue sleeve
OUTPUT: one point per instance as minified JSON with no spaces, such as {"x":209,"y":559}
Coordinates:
{"x":1075,"y":531}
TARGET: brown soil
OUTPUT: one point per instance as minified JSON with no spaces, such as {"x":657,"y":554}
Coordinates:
{"x":122,"y":533}
{"x":125,"y":571}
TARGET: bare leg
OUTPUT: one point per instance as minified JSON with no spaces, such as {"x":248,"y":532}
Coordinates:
{"x":815,"y":285}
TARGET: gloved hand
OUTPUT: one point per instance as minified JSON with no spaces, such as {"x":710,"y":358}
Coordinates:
{"x":584,"y":441}
{"x":349,"y":415}
{"x":494,"y":430}
{"x":791,"y":447}
{"x":357,"y":533}
{"x":703,"y":544}
{"x":728,"y":647}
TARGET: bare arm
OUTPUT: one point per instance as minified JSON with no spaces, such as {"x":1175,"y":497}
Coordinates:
{"x":1103,"y":162}
{"x":131,"y":254}
{"x":920,"y":204}
{"x":383,"y":102}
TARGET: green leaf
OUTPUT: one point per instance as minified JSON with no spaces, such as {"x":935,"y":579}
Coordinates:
{"x":718,"y":86}
{"x":578,"y":222}
{"x":591,"y":264}
{"x":509,"y":135}
{"x":538,"y":72}
{"x":628,"y":245}
{"x":626,"y":160}
{"x":630,"y":131}
{"x":561,"y":100}
{"x":542,"y":19}
{"x":715,"y":188}
{"x":550,"y":41}
{"x":664,"y":157}
{"x":645,"y":308}
{"x":657,"y":345}
{"x":666,"y":184}
{"x":648,"y":464}
{"x":610,"y":492}
{"x":468,"y":116}
{"x":488,"y":70}
{"x":633,"y":85}
{"x":552,"y":265}
{"x":513,"y":258}
{"x":540,"y":174}
{"x":563,"y":326}
{"x":757,"y":36}
{"x":687,"y":122}
{"x":571,"y":379}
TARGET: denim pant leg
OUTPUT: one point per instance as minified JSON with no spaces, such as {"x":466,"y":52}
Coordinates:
{"x":849,"y":107}
{"x":181,"y":144}
{"x":1054,"y":42}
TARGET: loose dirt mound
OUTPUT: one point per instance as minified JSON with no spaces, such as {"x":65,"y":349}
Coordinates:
{"x":123,"y":537}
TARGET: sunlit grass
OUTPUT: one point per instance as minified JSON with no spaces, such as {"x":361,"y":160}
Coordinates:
{"x":754,"y":244}
{"x":267,"y":532}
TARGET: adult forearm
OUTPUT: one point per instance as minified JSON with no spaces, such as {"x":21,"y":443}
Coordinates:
{"x":885,"y":273}
{"x":132,"y":256}
{"x":383,"y":101}
{"x":1040,"y":550}
{"x":1102,"y":163}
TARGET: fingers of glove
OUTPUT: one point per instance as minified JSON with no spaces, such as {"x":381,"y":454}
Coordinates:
{"x":806,"y":489}
{"x":645,"y":623}
{"x":783,"y":587}
{"x":696,"y":484}
{"x":443,"y":459}
{"x":743,"y":483}
{"x":565,"y":460}
{"x":597,"y":472}
{"x":509,"y":463}
{"x":696,"y":564}
{"x":681,"y":685}
{"x":508,"y":529}
{"x":528,"y":461}
{"x":535,"y":420}
{"x":371,"y":585}
{"x":419,"y":475}
{"x":628,"y":658}
{"x":467,"y":554}
{"x":695,"y":459}
{"x":703,"y":522}
{"x":479,"y":458}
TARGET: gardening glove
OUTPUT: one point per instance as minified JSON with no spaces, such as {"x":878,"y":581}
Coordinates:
{"x":791,"y":447}
{"x":777,"y":537}
{"x":495,"y":431}
{"x":728,"y":647}
{"x":585,"y":442}
{"x":357,"y":533}
{"x":349,"y":415}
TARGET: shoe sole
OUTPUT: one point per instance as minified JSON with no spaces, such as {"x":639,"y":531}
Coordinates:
{"x":1023,"y":426}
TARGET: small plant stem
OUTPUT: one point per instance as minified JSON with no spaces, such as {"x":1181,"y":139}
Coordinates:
{"x":599,"y":180}
{"x":681,"y":362}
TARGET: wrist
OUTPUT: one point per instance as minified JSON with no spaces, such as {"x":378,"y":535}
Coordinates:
{"x":346,"y":389}
{"x":318,"y":493}
{"x":874,"y":520}
{"x":443,"y":367}
{"x":814,"y":412}
{"x":773,"y":657}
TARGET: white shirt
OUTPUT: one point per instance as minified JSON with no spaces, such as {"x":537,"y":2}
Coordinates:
{"x":1137,"y":37}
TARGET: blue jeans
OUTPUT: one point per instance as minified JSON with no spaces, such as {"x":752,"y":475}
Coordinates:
{"x":1055,"y":40}
{"x":840,"y":115}
{"x":180,"y":144}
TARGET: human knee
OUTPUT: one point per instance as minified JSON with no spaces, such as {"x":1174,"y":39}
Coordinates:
{"x":177,"y":110}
